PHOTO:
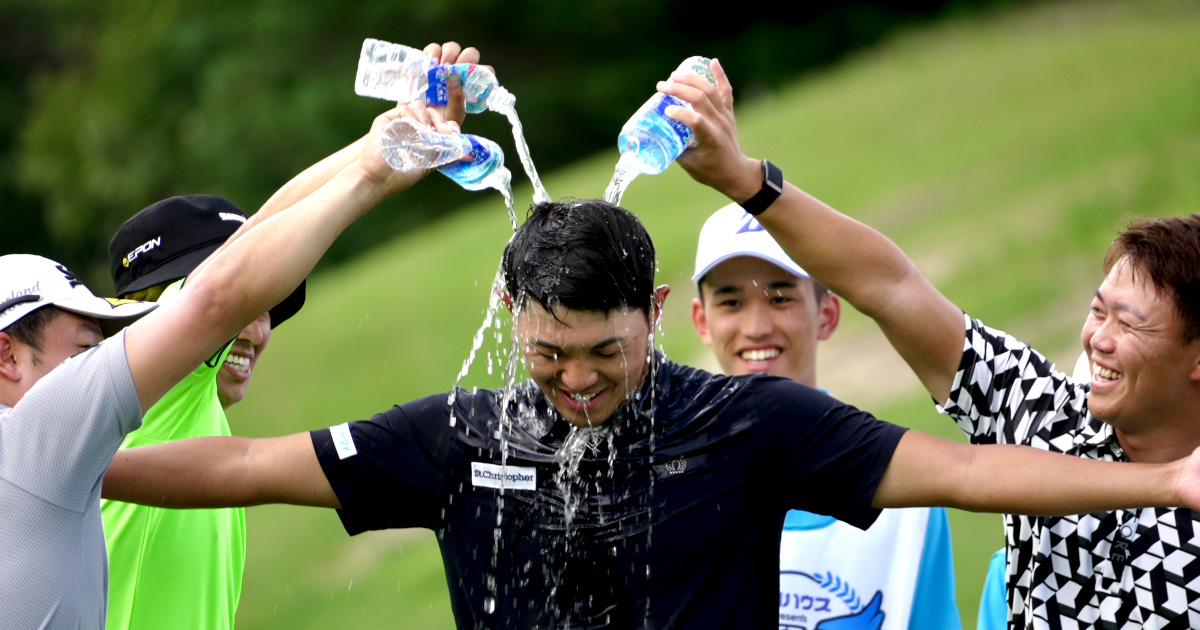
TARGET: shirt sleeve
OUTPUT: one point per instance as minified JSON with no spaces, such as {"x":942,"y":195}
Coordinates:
{"x":828,"y":455}
{"x":1005,"y":392}
{"x":57,"y":441}
{"x":389,"y":471}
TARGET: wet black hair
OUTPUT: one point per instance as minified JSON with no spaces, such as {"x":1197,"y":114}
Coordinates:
{"x":587,"y":255}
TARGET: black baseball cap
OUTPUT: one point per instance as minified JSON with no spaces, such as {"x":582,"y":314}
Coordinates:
{"x":170,"y":238}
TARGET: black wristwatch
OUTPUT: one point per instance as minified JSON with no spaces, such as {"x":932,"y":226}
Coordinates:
{"x":772,"y":187}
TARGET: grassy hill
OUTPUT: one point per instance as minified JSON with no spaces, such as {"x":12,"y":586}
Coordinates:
{"x":1001,"y":151}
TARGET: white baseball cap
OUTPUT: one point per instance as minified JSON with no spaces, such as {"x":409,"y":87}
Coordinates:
{"x":29,"y":282}
{"x":731,"y":232}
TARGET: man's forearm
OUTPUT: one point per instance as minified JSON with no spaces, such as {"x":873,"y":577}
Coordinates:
{"x":199,"y":472}
{"x":1010,"y":479}
{"x":867,"y":269}
{"x":298,"y":188}
{"x":244,"y":280}
{"x":221,"y":472}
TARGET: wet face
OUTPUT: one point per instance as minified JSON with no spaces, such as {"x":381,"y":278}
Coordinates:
{"x":233,"y":379}
{"x":758,"y":317}
{"x":63,"y":337}
{"x":586,"y":362}
{"x":1143,"y":375}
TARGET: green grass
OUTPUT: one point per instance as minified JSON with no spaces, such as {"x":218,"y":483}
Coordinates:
{"x":1002,"y":152}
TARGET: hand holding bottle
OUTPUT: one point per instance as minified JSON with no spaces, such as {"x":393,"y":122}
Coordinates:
{"x":372,"y":157}
{"x":715,"y":158}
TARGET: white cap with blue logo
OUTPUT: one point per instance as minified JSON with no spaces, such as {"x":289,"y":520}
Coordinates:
{"x":731,"y":232}
{"x":29,"y":282}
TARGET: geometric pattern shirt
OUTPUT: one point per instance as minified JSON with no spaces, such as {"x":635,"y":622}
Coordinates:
{"x":1122,"y":569}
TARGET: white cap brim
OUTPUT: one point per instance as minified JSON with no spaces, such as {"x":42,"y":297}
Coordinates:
{"x":731,"y":232}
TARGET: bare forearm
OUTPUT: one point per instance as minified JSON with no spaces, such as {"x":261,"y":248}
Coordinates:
{"x":1021,"y":479}
{"x":928,"y":471}
{"x":310,"y":180}
{"x":200,"y":472}
{"x":295,"y":190}
{"x":853,"y":260}
{"x":871,"y":272}
{"x":221,"y":472}
{"x":848,"y":257}
{"x":260,"y":268}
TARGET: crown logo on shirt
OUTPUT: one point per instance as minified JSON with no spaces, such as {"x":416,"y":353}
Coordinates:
{"x":676,"y":466}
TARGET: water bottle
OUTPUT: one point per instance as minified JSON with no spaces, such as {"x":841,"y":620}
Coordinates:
{"x":395,"y":72}
{"x":408,"y":145}
{"x":485,"y":169}
{"x":650,"y":141}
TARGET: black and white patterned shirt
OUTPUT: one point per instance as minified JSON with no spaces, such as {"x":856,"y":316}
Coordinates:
{"x":1114,"y":570}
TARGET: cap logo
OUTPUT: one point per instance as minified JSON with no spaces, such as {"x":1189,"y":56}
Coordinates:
{"x":20,"y":297}
{"x":37,"y":286}
{"x":71,"y":278}
{"x":750,"y":224}
{"x":229,"y":216}
{"x":115,"y":302}
{"x":141,"y":249}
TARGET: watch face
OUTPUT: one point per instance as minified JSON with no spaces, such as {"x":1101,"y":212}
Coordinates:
{"x":772,"y":177}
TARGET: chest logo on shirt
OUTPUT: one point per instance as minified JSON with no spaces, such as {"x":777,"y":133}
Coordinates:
{"x":825,"y":602}
{"x":507,"y":477}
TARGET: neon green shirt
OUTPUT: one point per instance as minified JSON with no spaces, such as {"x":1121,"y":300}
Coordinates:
{"x":176,"y":569}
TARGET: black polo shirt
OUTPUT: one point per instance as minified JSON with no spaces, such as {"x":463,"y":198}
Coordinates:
{"x":668,"y":516}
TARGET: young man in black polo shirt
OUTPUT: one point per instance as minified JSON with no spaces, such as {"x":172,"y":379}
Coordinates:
{"x":616,"y":488}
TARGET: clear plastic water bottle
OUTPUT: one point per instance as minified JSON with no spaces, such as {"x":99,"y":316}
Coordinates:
{"x":395,"y":72}
{"x":409,"y":145}
{"x":650,"y":140}
{"x":485,"y":169}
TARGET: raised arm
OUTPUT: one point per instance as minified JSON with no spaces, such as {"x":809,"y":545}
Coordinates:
{"x":314,"y":177}
{"x":927,"y":471}
{"x":220,"y":472}
{"x":853,"y":260}
{"x":261,"y":265}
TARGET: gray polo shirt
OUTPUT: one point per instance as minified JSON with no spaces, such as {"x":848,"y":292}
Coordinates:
{"x":55,"y":445}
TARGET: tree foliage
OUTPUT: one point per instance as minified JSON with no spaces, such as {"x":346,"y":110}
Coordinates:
{"x":110,"y":105}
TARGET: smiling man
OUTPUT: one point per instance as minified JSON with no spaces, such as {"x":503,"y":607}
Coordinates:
{"x":762,"y":313}
{"x":182,"y":568}
{"x":68,"y":396}
{"x":616,"y":488}
{"x":1133,"y":568}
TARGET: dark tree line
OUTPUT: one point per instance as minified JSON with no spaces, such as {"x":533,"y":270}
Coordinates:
{"x":109,"y":105}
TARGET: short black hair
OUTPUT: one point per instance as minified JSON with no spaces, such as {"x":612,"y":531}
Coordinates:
{"x":30,"y":328}
{"x":586,"y":255}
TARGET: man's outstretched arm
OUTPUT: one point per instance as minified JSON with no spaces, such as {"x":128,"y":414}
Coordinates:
{"x":220,"y":472}
{"x":928,"y":471}
{"x":851,"y":259}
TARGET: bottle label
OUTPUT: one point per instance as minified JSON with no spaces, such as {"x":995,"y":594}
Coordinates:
{"x":480,"y":153}
{"x":438,"y":93}
{"x":683,"y":131}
